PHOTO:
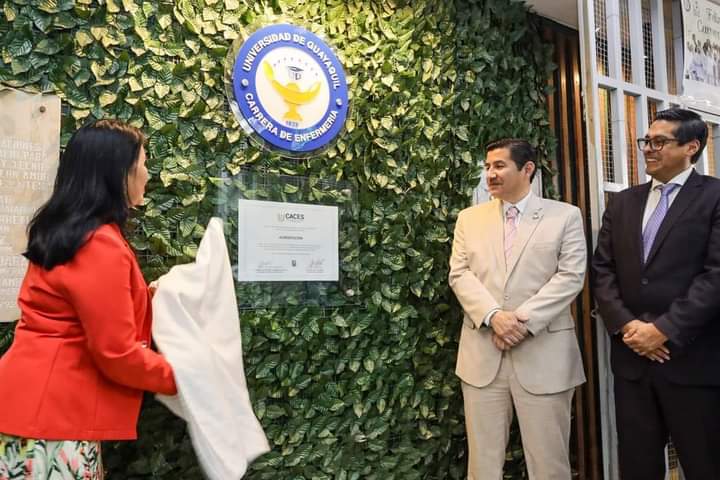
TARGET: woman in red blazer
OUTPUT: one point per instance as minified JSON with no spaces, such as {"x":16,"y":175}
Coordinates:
{"x":81,"y":360}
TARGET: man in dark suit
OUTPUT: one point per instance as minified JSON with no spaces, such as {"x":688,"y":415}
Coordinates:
{"x":656,"y":275}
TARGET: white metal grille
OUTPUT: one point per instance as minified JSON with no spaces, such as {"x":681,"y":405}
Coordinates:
{"x":711,"y":165}
{"x":606,"y":135}
{"x":631,"y":136}
{"x":648,"y":44}
{"x":626,"y":53}
{"x":652,"y":108}
{"x":670,"y":47}
{"x":601,"y":46}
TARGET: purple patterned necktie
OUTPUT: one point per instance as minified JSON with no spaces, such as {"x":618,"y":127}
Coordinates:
{"x":656,"y":219}
{"x":510,"y":231}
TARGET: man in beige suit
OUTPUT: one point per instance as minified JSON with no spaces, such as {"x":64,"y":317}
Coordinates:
{"x":517,"y":264}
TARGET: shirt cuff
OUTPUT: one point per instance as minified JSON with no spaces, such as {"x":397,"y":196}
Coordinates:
{"x":488,"y":316}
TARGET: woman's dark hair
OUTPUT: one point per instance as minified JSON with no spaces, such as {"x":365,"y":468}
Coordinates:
{"x":90,"y":190}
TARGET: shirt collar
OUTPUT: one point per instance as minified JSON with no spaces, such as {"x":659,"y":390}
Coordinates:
{"x":521,"y":205}
{"x":680,"y":178}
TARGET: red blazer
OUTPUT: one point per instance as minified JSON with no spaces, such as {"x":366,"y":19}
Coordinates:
{"x":80,"y":359}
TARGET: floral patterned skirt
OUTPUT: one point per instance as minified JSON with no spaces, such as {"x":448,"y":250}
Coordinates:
{"x":26,"y":459}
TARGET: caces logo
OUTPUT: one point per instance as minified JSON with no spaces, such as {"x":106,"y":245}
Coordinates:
{"x":290,"y":217}
{"x":290,"y":88}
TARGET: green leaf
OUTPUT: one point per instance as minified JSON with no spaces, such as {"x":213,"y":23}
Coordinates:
{"x":47,"y":46}
{"x":386,"y":145}
{"x":394,"y":261}
{"x":83,"y":38}
{"x":360,"y":326}
{"x":98,"y":70}
{"x":429,"y":132}
{"x":81,"y":77}
{"x":381,"y":180}
{"x":64,"y":21}
{"x":98,"y":32}
{"x":147,"y":80}
{"x":64,"y":5}
{"x":107,"y":98}
{"x":20,"y":65}
{"x":80,"y":114}
{"x":340,"y":320}
{"x":389,"y":291}
{"x":19,"y":47}
{"x":112,"y":6}
{"x":210,"y":133}
{"x":274,"y":411}
{"x":49,"y":6}
{"x":10,"y":11}
{"x":154,"y":119}
{"x":78,"y":99}
{"x":462,"y":133}
{"x":161,"y":89}
{"x":129,"y":5}
{"x":134,"y":85}
{"x":41,"y":20}
{"x":369,"y":365}
{"x":164,"y":20}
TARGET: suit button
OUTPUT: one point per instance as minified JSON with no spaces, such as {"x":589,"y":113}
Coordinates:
{"x":506,"y":297}
{"x":644,"y":281}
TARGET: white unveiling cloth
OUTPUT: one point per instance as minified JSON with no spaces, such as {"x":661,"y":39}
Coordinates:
{"x":196,"y":326}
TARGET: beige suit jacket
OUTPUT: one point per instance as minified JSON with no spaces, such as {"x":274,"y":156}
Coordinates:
{"x":545,"y":273}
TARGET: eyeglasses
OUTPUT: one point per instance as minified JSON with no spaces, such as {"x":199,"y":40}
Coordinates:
{"x":655,"y":144}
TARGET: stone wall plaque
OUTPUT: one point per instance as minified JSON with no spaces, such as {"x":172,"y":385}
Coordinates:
{"x":29,"y":154}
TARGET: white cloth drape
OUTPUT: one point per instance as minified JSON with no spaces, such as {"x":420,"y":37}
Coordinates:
{"x":196,"y":326}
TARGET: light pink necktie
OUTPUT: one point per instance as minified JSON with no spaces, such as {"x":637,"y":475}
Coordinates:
{"x":510,"y":231}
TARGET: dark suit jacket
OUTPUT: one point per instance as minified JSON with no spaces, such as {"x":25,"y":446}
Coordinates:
{"x":678,"y":288}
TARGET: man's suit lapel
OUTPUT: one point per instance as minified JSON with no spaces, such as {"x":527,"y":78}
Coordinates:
{"x":634,"y":222}
{"x":528,"y":223}
{"x":497,"y":232}
{"x":685,"y":197}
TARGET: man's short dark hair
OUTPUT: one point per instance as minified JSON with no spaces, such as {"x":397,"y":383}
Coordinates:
{"x":520,"y":150}
{"x":690,"y":127}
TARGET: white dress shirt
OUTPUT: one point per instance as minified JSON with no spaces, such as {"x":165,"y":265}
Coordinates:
{"x":521,"y":205}
{"x":654,"y":196}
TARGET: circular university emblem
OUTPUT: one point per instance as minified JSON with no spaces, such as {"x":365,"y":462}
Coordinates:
{"x":290,"y":89}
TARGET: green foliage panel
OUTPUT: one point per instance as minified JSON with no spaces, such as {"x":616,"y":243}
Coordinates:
{"x":360,"y":392}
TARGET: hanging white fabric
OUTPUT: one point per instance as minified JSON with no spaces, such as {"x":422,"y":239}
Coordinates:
{"x":196,"y":326}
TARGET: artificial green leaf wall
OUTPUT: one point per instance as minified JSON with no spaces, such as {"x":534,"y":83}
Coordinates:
{"x":356,"y":392}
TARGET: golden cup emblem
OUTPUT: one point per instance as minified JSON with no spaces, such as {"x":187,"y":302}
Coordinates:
{"x":291,"y":93}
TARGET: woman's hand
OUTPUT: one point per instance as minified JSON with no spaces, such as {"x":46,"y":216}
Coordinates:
{"x":152,"y":288}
